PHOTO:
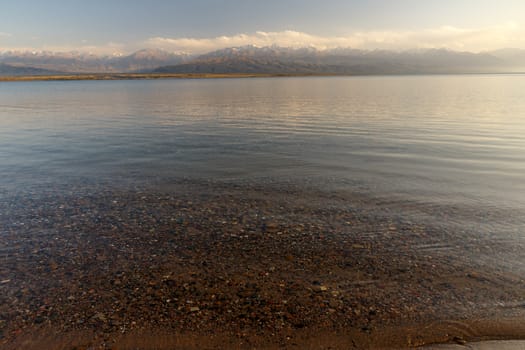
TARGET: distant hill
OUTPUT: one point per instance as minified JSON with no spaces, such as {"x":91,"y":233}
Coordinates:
{"x":75,"y":62}
{"x":513,"y":57}
{"x":250,"y":59}
{"x":146,"y":60}
{"x":269,"y":60}
{"x":9,"y":70}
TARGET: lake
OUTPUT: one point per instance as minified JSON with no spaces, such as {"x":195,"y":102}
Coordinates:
{"x":402,"y":169}
{"x":445,"y":140}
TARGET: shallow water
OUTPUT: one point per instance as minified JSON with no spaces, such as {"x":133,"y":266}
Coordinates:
{"x":379,"y":201}
{"x":447,"y":149}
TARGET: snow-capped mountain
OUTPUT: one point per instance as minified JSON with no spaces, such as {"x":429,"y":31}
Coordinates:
{"x":275,"y":60}
{"x":78,"y":62}
{"x":251,"y":59}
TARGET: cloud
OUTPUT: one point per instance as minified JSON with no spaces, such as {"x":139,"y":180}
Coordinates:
{"x":467,"y":39}
{"x":110,"y":48}
{"x":506,"y":35}
{"x":472,"y":39}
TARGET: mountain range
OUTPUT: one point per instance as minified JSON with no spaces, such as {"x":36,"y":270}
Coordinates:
{"x":267,"y":60}
{"x":78,"y":62}
{"x":9,"y":70}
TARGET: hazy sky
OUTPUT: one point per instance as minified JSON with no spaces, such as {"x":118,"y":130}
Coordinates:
{"x":108,"y":26}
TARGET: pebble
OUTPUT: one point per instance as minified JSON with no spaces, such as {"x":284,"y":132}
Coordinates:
{"x":114,"y":259}
{"x":100,"y":316}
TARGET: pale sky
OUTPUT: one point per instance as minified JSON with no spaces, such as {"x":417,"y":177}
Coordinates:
{"x":196,"y":26}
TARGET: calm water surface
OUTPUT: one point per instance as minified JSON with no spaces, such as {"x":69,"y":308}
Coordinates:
{"x":453,"y":144}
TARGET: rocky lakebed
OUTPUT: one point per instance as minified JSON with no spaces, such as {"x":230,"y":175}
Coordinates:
{"x":195,"y":265}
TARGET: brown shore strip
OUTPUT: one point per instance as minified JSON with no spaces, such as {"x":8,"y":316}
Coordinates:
{"x":154,"y":76}
{"x":147,"y":76}
{"x":214,"y":266}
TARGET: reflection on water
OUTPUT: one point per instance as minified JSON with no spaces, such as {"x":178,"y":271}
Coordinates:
{"x":345,"y":203}
{"x":436,"y":140}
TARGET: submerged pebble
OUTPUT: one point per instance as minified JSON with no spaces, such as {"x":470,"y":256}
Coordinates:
{"x":111,"y":260}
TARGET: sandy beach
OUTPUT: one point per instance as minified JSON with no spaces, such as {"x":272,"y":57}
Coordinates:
{"x":215,"y":265}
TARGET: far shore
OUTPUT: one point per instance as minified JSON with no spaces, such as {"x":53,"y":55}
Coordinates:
{"x":152,"y":76}
{"x":145,"y":76}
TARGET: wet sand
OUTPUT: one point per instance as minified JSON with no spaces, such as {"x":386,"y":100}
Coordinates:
{"x":213,"y":265}
{"x":486,"y":345}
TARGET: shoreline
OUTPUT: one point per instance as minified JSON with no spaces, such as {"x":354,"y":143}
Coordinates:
{"x":482,"y":345}
{"x":265,"y":267}
{"x":444,"y":335}
{"x":156,"y":76}
{"x":393,"y":338}
{"x":151,"y":76}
